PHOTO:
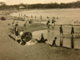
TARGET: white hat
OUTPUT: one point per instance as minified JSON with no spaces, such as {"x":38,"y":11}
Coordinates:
{"x":21,"y":33}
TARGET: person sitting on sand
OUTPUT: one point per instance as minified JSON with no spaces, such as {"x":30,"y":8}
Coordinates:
{"x":25,"y":37}
{"x":42,"y":40}
{"x":54,"y":42}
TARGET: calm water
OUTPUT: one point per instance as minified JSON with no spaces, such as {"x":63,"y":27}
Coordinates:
{"x":65,"y":16}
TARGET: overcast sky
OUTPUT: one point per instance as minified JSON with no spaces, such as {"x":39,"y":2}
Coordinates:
{"x":11,"y":2}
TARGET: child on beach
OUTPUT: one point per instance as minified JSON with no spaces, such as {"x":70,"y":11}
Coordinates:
{"x":54,"y":42}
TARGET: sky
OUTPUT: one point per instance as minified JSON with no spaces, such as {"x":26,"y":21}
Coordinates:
{"x":11,"y":2}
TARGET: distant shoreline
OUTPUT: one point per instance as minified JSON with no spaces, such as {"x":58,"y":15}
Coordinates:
{"x":56,"y":5}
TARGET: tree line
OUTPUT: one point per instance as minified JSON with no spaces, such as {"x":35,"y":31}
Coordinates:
{"x":41,"y":6}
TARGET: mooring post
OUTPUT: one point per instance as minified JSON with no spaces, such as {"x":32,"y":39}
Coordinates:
{"x":72,"y":41}
{"x":61,"y":40}
{"x":72,"y":37}
{"x":61,"y":35}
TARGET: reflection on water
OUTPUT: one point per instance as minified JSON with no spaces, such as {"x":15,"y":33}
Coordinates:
{"x":55,"y":33}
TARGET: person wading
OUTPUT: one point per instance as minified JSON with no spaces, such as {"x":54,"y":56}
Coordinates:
{"x":48,"y":24}
{"x":53,"y":22}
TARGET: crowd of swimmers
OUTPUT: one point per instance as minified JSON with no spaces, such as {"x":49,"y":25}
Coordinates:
{"x":49,"y":20}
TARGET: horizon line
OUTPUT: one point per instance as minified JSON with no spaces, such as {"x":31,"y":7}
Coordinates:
{"x":40,"y":3}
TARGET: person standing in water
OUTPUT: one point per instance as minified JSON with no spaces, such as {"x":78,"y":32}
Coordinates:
{"x":31,"y":20}
{"x":53,"y":22}
{"x":48,"y":23}
{"x":41,"y":19}
{"x":25,"y":24}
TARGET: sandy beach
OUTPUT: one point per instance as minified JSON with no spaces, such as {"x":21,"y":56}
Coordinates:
{"x":11,"y":50}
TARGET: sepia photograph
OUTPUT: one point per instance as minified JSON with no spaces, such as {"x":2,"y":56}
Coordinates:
{"x":39,"y":29}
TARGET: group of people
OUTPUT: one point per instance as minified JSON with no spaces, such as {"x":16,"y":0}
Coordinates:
{"x":23,"y":36}
{"x":43,"y":40}
{"x":19,"y":35}
{"x":50,"y":23}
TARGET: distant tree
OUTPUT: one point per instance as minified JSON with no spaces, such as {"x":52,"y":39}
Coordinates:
{"x":2,"y":3}
{"x":40,"y":6}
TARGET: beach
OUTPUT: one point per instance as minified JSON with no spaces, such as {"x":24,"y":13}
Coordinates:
{"x":11,"y":50}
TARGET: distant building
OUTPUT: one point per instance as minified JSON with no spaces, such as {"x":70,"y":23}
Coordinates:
{"x":21,"y":7}
{"x":2,"y":3}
